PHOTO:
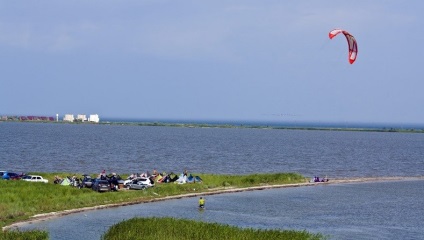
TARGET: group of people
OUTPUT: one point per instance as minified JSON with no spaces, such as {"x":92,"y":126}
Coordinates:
{"x":116,"y":181}
{"x":86,"y":180}
{"x":164,"y":177}
{"x":113,"y":179}
{"x":317,"y":179}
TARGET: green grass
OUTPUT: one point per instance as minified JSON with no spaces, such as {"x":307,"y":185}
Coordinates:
{"x":176,"y":229}
{"x":24,"y":235}
{"x":21,"y":199}
{"x":214,"y":180}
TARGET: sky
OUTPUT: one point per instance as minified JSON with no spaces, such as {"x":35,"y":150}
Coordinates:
{"x":213,"y":60}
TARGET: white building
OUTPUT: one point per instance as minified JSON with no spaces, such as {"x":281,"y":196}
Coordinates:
{"x":94,"y":118}
{"x":68,"y":118}
{"x":81,"y":118}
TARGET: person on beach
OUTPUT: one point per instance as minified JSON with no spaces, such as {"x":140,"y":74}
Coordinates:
{"x":102,"y":175}
{"x":201,"y":202}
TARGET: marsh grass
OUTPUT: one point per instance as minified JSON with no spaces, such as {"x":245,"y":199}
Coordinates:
{"x":215,"y":180}
{"x":26,"y":235}
{"x":21,"y":199}
{"x":171,"y":228}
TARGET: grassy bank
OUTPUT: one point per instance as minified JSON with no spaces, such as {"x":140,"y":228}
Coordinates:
{"x":21,"y":200}
{"x":171,"y":228}
{"x":27,"y":235}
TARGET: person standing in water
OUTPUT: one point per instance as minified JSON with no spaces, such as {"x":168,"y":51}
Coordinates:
{"x":201,"y":202}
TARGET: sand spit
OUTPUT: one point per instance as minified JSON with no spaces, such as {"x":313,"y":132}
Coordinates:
{"x":51,"y":215}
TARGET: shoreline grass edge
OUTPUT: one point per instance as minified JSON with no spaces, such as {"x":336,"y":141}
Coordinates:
{"x":214,"y":191}
{"x":228,"y":184}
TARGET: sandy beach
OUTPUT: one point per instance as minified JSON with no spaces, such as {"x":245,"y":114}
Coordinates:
{"x":51,"y":215}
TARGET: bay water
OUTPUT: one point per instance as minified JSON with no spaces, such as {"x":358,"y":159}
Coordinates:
{"x":123,"y":149}
{"x":380,"y":210}
{"x":372,"y":210}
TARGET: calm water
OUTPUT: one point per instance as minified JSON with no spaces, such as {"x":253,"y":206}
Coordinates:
{"x":383,"y":210}
{"x":121,"y":149}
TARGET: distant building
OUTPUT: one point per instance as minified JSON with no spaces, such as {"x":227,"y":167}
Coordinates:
{"x":81,"y":118}
{"x":94,"y":118}
{"x":68,"y":118}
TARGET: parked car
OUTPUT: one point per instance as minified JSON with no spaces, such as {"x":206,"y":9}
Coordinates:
{"x":10,"y":175}
{"x":139,"y":183}
{"x":144,"y":180}
{"x":101,"y":185}
{"x":136,"y":186}
{"x":15,"y":176}
{"x":34,"y":178}
{"x":87,"y":181}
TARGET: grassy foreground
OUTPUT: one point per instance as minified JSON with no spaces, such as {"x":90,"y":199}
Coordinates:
{"x":21,"y":200}
{"x":156,"y":228}
{"x":27,"y":235}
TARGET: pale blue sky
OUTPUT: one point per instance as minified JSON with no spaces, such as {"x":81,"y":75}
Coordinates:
{"x":213,"y":60}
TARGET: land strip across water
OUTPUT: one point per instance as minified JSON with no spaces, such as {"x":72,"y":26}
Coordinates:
{"x":214,"y":191}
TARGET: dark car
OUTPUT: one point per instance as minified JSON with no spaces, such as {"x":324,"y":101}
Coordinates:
{"x":87,"y":181}
{"x":10,"y":175}
{"x":101,"y":185}
{"x":15,"y":176}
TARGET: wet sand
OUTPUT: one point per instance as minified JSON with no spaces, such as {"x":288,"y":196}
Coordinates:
{"x":51,"y":215}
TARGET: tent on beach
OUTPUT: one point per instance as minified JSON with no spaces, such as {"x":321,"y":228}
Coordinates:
{"x":65,"y":182}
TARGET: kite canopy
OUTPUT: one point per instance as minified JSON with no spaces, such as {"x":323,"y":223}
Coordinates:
{"x":353,"y":47}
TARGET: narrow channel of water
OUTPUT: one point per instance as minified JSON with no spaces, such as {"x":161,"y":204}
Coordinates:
{"x":372,"y":210}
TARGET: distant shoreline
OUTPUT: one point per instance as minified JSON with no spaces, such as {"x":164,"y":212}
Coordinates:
{"x":270,"y":123}
{"x":52,"y":215}
{"x":304,"y":126}
{"x":408,"y":128}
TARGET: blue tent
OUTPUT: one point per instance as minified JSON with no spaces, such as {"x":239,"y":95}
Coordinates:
{"x":6,"y":176}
